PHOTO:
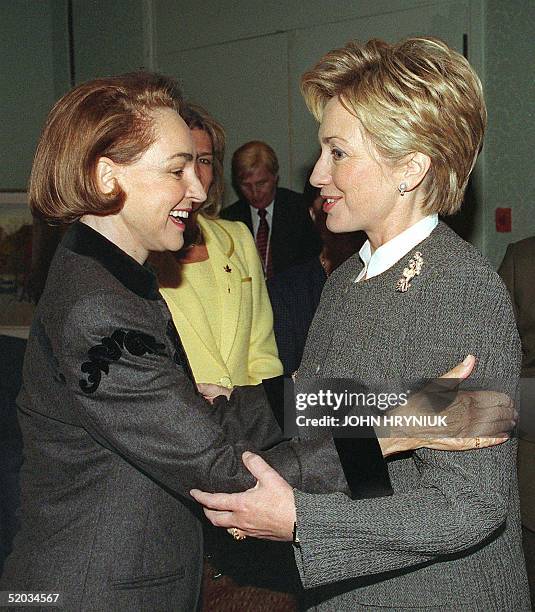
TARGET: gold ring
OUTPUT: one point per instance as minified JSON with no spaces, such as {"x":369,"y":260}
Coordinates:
{"x":478,"y":443}
{"x":236,"y":534}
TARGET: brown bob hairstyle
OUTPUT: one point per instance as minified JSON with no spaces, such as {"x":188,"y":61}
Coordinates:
{"x":108,"y":117}
{"x":414,"y":96}
{"x":197,"y":118}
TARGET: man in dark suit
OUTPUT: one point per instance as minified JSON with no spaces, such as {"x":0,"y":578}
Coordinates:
{"x":277,"y":217}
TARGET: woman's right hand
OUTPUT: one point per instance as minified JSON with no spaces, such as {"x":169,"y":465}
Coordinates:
{"x":475,"y":419}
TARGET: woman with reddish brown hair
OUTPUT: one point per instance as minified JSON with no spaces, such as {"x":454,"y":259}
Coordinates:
{"x":114,"y":431}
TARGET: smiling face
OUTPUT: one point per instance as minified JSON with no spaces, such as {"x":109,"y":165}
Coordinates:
{"x":359,"y":190}
{"x":258,"y":187}
{"x":161,"y":188}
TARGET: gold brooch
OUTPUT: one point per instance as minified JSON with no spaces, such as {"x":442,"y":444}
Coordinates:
{"x":414,"y":269}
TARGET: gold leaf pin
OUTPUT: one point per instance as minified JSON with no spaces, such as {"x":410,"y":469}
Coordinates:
{"x":414,"y":268}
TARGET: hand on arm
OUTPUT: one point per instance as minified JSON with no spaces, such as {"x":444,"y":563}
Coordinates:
{"x":472,"y":415}
{"x":158,"y":421}
{"x":266,"y":511}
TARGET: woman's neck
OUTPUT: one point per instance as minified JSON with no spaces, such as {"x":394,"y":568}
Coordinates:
{"x":394,"y":226}
{"x":112,"y":228}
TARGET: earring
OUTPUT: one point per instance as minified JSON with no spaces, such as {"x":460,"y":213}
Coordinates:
{"x":402,"y":188}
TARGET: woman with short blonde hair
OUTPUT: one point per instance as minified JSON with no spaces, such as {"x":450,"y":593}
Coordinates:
{"x":417,"y":95}
{"x":401,"y":127}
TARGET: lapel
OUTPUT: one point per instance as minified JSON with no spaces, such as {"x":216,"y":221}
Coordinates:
{"x":228,"y":272}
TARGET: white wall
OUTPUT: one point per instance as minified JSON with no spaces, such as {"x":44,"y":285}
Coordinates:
{"x":510,"y":143}
{"x":34,"y":72}
{"x":242,"y":60}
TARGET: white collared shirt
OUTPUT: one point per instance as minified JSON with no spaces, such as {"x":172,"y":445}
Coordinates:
{"x":392,"y":251}
{"x":256,"y":219}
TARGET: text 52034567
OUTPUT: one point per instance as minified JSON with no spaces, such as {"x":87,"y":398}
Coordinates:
{"x":26,"y":598}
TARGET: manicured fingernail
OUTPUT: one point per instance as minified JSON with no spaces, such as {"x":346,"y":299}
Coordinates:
{"x":467,"y":359}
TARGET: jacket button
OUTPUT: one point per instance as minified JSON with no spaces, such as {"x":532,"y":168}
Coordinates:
{"x":225,"y":382}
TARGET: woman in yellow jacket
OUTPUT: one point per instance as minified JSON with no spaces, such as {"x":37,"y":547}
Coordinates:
{"x":215,"y":288}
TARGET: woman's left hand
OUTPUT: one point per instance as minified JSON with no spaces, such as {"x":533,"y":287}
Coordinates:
{"x":475,"y":419}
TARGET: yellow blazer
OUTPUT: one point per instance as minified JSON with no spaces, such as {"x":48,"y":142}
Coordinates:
{"x":247,"y":352}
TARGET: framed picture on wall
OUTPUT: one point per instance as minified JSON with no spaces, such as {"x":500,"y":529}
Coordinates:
{"x":16,"y":309}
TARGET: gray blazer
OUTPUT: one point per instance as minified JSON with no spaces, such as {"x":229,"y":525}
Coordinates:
{"x":115,"y":436}
{"x":449,"y":536}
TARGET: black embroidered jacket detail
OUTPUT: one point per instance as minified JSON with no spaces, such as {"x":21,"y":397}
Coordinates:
{"x":111,"y":349}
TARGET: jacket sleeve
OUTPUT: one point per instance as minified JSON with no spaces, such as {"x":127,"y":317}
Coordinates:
{"x":263,"y":361}
{"x":460,"y":499}
{"x":136,"y":401}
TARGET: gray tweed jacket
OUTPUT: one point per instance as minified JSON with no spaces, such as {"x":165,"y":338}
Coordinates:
{"x":115,"y":436}
{"x":449,"y":537}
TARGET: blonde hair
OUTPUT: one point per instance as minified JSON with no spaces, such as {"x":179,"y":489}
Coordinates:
{"x":105,"y":117}
{"x":250,"y":156}
{"x":197,"y":118}
{"x":414,"y":96}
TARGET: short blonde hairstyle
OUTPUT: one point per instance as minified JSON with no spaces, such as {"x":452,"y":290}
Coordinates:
{"x":108,"y":117}
{"x":414,"y":96}
{"x":249,"y":157}
{"x":198,"y":118}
